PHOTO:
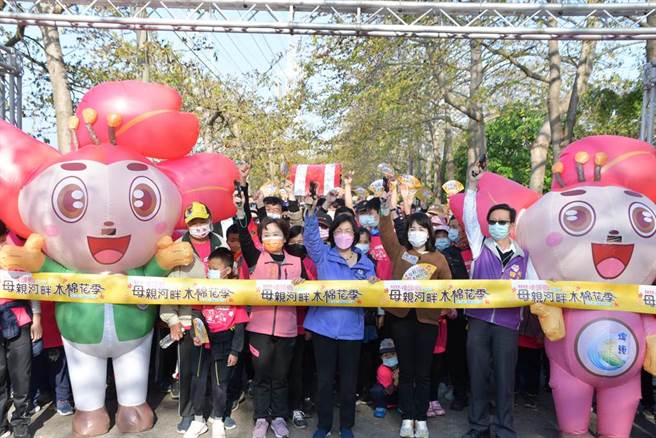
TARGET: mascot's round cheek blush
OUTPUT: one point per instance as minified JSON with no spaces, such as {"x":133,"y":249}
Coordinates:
{"x":52,"y":230}
{"x":553,"y":239}
{"x":160,"y":227}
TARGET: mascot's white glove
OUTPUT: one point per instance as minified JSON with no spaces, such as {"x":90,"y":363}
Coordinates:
{"x":650,"y":355}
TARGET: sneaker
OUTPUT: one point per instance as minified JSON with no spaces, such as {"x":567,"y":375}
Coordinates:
{"x":218,"y":429}
{"x":5,"y":433}
{"x":435,"y":409}
{"x":531,"y":402}
{"x":279,"y":428}
{"x":229,"y":423}
{"x":64,"y":408}
{"x":421,"y":429}
{"x":407,"y":429}
{"x":345,"y":432}
{"x":196,"y":429}
{"x":21,"y":431}
{"x":184,"y":424}
{"x":34,"y":408}
{"x":298,"y":420}
{"x":459,"y":404}
{"x":260,"y":429}
{"x":321,"y":433}
{"x":380,"y":412}
{"x":240,"y":400}
{"x":175,"y":390}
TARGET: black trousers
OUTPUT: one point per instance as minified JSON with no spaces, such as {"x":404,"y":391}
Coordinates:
{"x":491,"y":349}
{"x":16,"y":364}
{"x":236,"y":384}
{"x":456,"y":355}
{"x":295,"y":378}
{"x":335,"y":356}
{"x":369,"y":362}
{"x":414,"y":342}
{"x":209,"y":366}
{"x":647,"y":387}
{"x":529,"y":369}
{"x":186,"y":371}
{"x":437,"y":375}
{"x":272,"y":357}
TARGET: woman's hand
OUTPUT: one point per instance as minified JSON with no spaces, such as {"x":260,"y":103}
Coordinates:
{"x":197,"y":342}
{"x":298,"y":281}
{"x":36,"y":331}
{"x":373,"y":279}
{"x":177,"y":331}
{"x":232,"y":360}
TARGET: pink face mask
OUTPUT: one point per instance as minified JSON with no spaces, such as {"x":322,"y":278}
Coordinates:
{"x":343,"y":240}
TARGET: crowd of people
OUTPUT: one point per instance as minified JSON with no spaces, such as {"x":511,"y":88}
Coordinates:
{"x":298,"y":362}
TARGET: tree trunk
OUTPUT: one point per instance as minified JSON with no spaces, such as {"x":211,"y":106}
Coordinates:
{"x":475,"y":125}
{"x":61,"y":93}
{"x":583,"y":71}
{"x":651,"y":44}
{"x":539,"y":153}
{"x":553,"y":98}
{"x":449,"y":168}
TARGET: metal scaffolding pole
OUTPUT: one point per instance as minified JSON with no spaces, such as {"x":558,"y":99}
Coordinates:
{"x":11,"y":91}
{"x":479,"y":20}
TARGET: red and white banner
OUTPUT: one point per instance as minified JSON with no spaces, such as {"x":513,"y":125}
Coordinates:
{"x":327,"y":177}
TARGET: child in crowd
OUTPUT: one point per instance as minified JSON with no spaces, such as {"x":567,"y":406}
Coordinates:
{"x":385,"y":392}
{"x":225,"y":326}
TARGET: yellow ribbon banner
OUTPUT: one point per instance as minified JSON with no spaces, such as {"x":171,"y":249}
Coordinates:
{"x":121,"y":289}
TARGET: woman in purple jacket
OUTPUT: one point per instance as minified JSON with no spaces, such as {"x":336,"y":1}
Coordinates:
{"x":337,"y":331}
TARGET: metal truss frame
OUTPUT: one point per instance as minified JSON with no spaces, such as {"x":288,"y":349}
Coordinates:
{"x":519,"y":20}
{"x":11,"y":86}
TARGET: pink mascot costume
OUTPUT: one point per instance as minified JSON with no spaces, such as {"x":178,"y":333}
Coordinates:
{"x":597,"y":224}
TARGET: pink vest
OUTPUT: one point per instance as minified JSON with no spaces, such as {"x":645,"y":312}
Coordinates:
{"x":275,"y":320}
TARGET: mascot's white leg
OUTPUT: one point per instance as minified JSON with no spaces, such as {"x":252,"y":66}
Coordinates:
{"x":88,"y":374}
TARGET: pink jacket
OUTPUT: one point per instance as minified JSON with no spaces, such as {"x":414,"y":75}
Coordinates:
{"x":275,"y":320}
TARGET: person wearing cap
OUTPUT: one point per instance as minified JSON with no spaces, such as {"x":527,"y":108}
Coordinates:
{"x":325,"y":222}
{"x":203,"y":240}
{"x":385,"y":392}
{"x":456,"y":341}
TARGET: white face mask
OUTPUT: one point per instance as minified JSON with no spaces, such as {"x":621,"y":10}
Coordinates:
{"x":200,"y":231}
{"x":417,"y":238}
{"x":331,"y":213}
{"x":274,"y":215}
{"x":324,"y":233}
{"x":213,"y":274}
{"x":364,"y":247}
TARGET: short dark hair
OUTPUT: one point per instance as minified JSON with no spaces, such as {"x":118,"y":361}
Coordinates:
{"x":3,"y":229}
{"x":273,"y":200}
{"x":344,"y":210}
{"x":280,"y":223}
{"x":232,"y":229}
{"x":294,"y":231}
{"x":363,"y":230}
{"x":423,"y":221}
{"x":511,"y":211}
{"x":339,"y":220}
{"x":374,"y":204}
{"x":223,"y":254}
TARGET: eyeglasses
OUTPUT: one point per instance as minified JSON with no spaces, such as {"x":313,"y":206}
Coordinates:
{"x":491,"y":222}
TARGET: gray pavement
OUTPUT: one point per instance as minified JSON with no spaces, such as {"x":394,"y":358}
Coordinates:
{"x":539,"y":423}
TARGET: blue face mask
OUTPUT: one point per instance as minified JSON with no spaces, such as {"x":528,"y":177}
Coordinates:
{"x":367,"y":220}
{"x":391,"y":362}
{"x":442,"y":243}
{"x":213,"y":274}
{"x":499,"y":232}
{"x":453,"y":234}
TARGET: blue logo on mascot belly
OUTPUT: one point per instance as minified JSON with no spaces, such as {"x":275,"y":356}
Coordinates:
{"x":606,"y":348}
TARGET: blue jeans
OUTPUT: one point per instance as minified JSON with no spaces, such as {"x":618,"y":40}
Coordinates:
{"x":50,"y":372}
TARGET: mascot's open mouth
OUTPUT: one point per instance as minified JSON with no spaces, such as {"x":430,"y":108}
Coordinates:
{"x":108,"y":250}
{"x":611,"y":259}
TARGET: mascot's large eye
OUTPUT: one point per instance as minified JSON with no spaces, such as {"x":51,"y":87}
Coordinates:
{"x":144,"y":198}
{"x":577,"y":218}
{"x":643,"y":219}
{"x":70,"y":199}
